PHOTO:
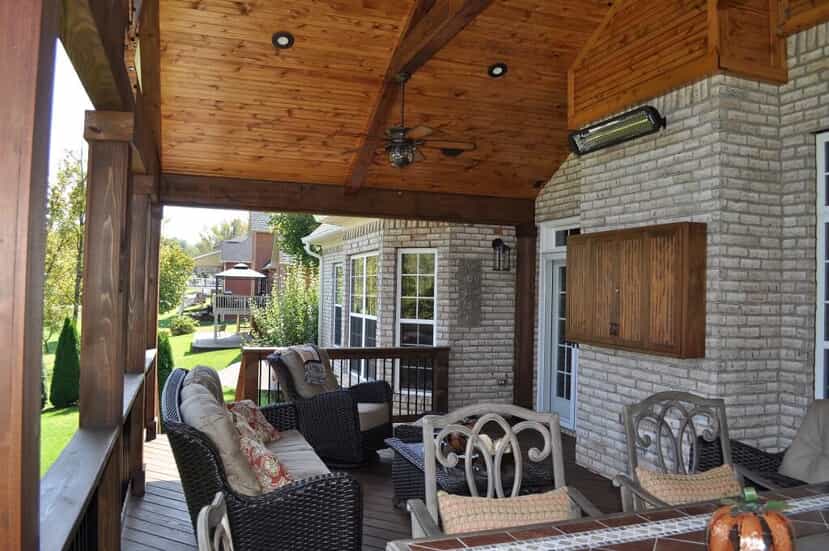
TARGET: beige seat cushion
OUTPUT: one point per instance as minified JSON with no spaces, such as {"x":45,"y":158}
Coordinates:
{"x":200,"y":409}
{"x":296,"y":367}
{"x":297,"y":455}
{"x":807,"y":459}
{"x":676,"y":489}
{"x":372,"y":415}
{"x":208,"y":378}
{"x":461,"y":514}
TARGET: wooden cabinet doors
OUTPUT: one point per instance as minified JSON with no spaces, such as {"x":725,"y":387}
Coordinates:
{"x":639,"y":289}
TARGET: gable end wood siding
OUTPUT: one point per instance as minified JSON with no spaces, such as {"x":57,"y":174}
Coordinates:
{"x":739,"y":156}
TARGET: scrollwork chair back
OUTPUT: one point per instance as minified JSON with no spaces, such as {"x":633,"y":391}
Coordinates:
{"x":666,"y":425}
{"x":491,"y":453}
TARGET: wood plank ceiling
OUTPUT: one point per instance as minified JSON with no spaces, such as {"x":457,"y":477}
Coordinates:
{"x":232,"y":105}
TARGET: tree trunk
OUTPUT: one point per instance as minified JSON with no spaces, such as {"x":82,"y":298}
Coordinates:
{"x":76,"y":302}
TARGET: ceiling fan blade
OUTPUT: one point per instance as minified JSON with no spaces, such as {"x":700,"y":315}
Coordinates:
{"x":439,"y":144}
{"x":419,"y":132}
{"x":419,"y":156}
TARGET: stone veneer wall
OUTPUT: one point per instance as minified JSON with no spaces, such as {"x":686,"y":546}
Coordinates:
{"x":739,"y":156}
{"x":480,"y":362}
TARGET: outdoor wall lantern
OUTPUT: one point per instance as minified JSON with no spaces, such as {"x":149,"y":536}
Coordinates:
{"x":501,"y":256}
{"x":627,"y":126}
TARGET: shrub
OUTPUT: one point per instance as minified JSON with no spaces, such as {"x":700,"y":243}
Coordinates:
{"x":164,"y":359}
{"x":65,"y":388}
{"x":290,"y":316}
{"x":182,"y":325}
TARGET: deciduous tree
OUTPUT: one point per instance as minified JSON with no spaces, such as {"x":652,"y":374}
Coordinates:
{"x":175,"y":267}
{"x":289,"y":229}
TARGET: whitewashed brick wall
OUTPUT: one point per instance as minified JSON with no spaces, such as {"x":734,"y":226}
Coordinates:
{"x":481,"y":358}
{"x":739,"y":156}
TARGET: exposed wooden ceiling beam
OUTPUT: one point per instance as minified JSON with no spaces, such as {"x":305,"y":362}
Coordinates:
{"x":230,"y":193}
{"x":92,"y":33}
{"x":425,"y":32}
{"x":805,"y":20}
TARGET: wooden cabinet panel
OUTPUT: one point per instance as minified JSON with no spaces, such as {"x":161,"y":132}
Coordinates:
{"x":639,"y":289}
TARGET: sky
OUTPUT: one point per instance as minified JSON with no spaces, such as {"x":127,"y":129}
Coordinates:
{"x":69,"y":104}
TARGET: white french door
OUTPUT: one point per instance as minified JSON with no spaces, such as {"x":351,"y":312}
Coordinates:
{"x":822,"y":310}
{"x":559,"y":357}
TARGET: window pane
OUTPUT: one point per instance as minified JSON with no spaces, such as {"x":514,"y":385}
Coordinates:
{"x":356,"y":338}
{"x":338,"y":326}
{"x":427,"y":263}
{"x":357,"y":304}
{"x":408,"y":334}
{"x":561,"y":238}
{"x":409,"y":263}
{"x":371,"y":305}
{"x":562,"y":272}
{"x":371,"y":265}
{"x":356,"y":268}
{"x":426,"y":286}
{"x":371,"y":332}
{"x":371,"y":285}
{"x":426,"y":309}
{"x":408,"y":286}
{"x":426,"y":335}
{"x":408,"y":308}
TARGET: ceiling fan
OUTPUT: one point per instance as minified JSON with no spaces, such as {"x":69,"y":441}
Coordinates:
{"x":403,"y":145}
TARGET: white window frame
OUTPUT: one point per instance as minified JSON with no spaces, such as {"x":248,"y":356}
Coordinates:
{"x":363,"y":316}
{"x":399,"y":309}
{"x":549,"y":251}
{"x":341,"y":305}
{"x":820,"y":296}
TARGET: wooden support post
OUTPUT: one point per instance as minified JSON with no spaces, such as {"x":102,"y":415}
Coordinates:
{"x":106,"y":302}
{"x":151,"y":410}
{"x":525,"y":304}
{"x":247,"y":385}
{"x":440,"y":381}
{"x":27,"y":50}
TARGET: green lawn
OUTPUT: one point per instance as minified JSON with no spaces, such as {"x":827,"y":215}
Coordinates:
{"x":58,"y":425}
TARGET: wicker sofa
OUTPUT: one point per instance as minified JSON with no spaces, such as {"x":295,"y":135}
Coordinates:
{"x":323,"y":511}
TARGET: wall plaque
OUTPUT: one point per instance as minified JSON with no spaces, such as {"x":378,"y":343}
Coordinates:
{"x":469,"y":292}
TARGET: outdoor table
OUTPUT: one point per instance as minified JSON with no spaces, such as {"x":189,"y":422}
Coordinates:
{"x":680,"y":528}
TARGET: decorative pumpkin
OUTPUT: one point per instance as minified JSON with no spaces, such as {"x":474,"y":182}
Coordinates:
{"x":748,"y":525}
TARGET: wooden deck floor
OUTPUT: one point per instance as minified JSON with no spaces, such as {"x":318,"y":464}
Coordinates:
{"x":159,"y":521}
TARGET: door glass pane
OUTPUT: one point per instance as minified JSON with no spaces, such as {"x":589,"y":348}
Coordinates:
{"x":356,"y":334}
{"x":371,"y":332}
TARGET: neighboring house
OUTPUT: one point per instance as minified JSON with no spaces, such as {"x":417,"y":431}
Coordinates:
{"x":207,"y":264}
{"x":258,"y":249}
{"x":402,"y":283}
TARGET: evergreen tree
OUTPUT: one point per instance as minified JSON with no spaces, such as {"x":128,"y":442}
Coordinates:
{"x":165,"y":359}
{"x":67,"y":373}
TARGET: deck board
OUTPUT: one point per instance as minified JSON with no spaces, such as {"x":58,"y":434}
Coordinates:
{"x":159,"y":521}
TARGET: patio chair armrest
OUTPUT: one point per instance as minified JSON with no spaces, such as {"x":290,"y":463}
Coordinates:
{"x":329,"y":422}
{"x":423,"y":525}
{"x":281,"y":416}
{"x":628,"y":486}
{"x":583,"y":503}
{"x":371,"y":392}
{"x":755,"y":459}
{"x":322,"y":512}
{"x":756,"y":479}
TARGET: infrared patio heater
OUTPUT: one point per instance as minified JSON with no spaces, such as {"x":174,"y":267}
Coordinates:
{"x":622,"y":128}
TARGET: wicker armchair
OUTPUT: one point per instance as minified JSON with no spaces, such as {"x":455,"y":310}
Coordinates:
{"x":322,"y":512}
{"x":331,"y":421}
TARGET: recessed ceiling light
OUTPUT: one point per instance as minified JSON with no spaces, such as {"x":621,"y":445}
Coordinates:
{"x":497,"y":70}
{"x":282,"y":40}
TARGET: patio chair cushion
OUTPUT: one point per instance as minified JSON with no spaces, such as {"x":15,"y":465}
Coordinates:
{"x":807,"y":458}
{"x":208,"y":378}
{"x":297,"y":455}
{"x":676,"y":489}
{"x":296,"y":368}
{"x":372,"y":415}
{"x":460,"y":514}
{"x":200,"y":409}
{"x":269,"y":471}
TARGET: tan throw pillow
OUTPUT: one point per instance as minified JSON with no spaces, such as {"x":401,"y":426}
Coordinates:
{"x":208,"y":378}
{"x":296,"y":367}
{"x":200,"y":409}
{"x":461,"y":514}
{"x":676,"y":489}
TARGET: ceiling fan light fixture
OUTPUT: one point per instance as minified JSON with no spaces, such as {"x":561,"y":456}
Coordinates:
{"x":497,"y":70}
{"x":401,"y":155}
{"x":282,"y":40}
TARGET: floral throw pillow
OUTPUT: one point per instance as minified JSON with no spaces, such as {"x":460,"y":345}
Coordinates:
{"x":269,"y":472}
{"x":254,"y":417}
